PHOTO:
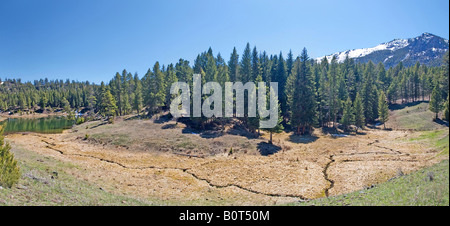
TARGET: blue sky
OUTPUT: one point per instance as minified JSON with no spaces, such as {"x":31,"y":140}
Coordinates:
{"x":93,"y":39}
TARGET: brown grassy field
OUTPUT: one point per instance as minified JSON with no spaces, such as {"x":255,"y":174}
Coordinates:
{"x":162,"y":160}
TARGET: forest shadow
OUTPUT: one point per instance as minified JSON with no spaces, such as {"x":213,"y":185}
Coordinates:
{"x":216,"y":129}
{"x":188,"y":130}
{"x":302,"y":139}
{"x":360,"y":133}
{"x":394,"y":107}
{"x":441,"y":122}
{"x":240,"y":130}
{"x":209,"y":134}
{"x":266,"y":149}
{"x":163,"y":119}
{"x":169,"y":126}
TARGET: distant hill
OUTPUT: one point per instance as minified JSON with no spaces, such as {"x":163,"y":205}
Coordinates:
{"x":427,"y":48}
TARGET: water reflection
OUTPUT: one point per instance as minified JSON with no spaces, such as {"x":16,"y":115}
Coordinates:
{"x":38,"y":125}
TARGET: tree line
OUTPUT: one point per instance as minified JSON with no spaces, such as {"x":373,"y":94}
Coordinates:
{"x":311,"y":93}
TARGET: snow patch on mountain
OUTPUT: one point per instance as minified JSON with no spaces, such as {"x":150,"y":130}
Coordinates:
{"x":391,"y":48}
{"x":355,"y":53}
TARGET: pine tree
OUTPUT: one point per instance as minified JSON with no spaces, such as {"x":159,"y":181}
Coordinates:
{"x":333,"y":89}
{"x":322,"y":96}
{"x":265,"y":67}
{"x":383,"y":109}
{"x":210,"y":69}
{"x":126,"y":103}
{"x":116,"y":90}
{"x":65,"y":104}
{"x":435,"y":102}
{"x":382,"y":81}
{"x":444,"y":81}
{"x":369,"y":94}
{"x":156,"y":88}
{"x":392,"y":92}
{"x":246,"y":65}
{"x":137,"y":102}
{"x":222,"y":71}
{"x":253,"y":122}
{"x":171,"y":79}
{"x":359,"y":112}
{"x":303,"y":113}
{"x":415,"y":81}
{"x":446,"y":111}
{"x":43,"y":101}
{"x":278,"y":128}
{"x":22,"y":101}
{"x":233,"y":65}
{"x":348,"y":117}
{"x":281,"y":78}
{"x":289,"y":64}
{"x":107,"y":103}
{"x":2,"y":106}
{"x":9,"y":170}
{"x":256,"y":65}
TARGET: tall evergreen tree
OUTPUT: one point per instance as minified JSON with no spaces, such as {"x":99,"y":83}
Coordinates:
{"x":333,"y":89}
{"x":383,"y":109}
{"x":138,"y":99}
{"x":43,"y":101}
{"x":436,"y":101}
{"x":369,"y":94}
{"x":289,"y":64}
{"x":156,"y":88}
{"x":171,"y":78}
{"x":107,"y":104}
{"x":303,"y":113}
{"x":246,"y":65}
{"x":446,"y":111}
{"x":322,"y":97}
{"x":9,"y":169}
{"x":233,"y":65}
{"x":348,"y":117}
{"x":256,"y":65}
{"x":278,"y":128}
{"x":281,"y":78}
{"x":359,"y":112}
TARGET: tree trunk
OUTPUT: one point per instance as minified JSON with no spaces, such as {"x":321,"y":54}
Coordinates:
{"x":270,"y":142}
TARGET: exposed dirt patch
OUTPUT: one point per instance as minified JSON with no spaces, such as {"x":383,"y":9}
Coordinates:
{"x":118,"y":158}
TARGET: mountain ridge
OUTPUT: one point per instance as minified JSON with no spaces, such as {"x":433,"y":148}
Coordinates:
{"x":426,"y":49}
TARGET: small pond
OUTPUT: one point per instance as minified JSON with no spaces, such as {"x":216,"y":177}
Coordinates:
{"x":38,"y":125}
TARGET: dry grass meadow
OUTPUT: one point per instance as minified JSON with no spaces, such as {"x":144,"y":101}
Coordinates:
{"x":164,"y":161}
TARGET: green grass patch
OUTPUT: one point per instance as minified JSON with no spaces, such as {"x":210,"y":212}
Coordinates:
{"x":443,"y":144}
{"x":438,"y":139}
{"x":113,"y":139}
{"x":416,"y":117}
{"x":427,"y":187}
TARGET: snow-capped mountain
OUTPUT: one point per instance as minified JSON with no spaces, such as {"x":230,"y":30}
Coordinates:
{"x":427,"y":49}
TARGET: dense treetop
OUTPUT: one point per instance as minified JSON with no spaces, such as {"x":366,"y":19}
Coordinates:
{"x":311,"y":93}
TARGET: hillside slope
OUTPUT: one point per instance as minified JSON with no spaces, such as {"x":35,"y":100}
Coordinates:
{"x":427,"y":49}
